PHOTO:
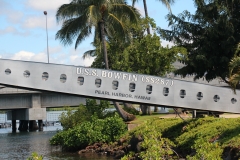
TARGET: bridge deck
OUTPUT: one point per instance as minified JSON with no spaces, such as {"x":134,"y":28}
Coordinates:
{"x":116,"y":85}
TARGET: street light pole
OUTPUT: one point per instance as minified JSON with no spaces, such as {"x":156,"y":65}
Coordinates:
{"x":45,"y":13}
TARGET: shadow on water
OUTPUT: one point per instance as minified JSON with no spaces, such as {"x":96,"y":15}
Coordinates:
{"x":20,"y":145}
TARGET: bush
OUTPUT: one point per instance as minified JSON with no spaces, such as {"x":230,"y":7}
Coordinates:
{"x":89,"y":132}
{"x":74,"y":117}
{"x":202,"y":138}
{"x":35,"y":156}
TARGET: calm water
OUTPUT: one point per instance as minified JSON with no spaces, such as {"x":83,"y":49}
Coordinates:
{"x":19,"y":146}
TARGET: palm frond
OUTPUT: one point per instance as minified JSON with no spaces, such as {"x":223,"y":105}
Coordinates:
{"x":89,"y":53}
{"x":235,"y":63}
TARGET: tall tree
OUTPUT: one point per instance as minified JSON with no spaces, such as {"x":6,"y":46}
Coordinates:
{"x":105,"y":17}
{"x":210,"y":36}
{"x":167,"y":3}
{"x":144,"y":55}
{"x":80,"y":17}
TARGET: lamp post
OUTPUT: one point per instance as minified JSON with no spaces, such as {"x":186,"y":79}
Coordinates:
{"x":45,"y":13}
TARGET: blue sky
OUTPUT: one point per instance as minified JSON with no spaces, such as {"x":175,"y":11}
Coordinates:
{"x":23,"y":30}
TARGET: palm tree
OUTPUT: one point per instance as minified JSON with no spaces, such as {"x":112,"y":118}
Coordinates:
{"x":104,"y":17}
{"x":167,"y":3}
{"x":234,"y":69}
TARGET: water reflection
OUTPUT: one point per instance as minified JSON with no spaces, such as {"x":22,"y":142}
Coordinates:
{"x":20,"y":145}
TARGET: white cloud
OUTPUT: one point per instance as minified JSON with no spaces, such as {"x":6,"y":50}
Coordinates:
{"x":58,"y":59}
{"x":29,"y":56}
{"x":78,"y":60}
{"x":39,"y":21}
{"x":13,"y":30}
{"x":46,"y":5}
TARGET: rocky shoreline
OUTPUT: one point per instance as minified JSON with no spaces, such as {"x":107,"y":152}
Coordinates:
{"x":115,"y":150}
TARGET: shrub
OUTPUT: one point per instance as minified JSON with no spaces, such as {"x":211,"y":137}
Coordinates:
{"x":83,"y":113}
{"x":89,"y":132}
{"x":35,"y":156}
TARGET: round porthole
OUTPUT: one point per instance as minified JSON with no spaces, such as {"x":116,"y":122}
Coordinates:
{"x":7,"y":71}
{"x":45,"y":76}
{"x":115,"y":85}
{"x":80,"y":80}
{"x":63,"y":78}
{"x":165,"y":91}
{"x":26,"y":74}
{"x":199,"y":95}
{"x":182,"y":93}
{"x":216,"y":98}
{"x":233,"y":100}
{"x":98,"y":82}
{"x":149,"y":89}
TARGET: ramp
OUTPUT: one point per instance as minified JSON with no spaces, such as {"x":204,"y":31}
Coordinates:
{"x":116,"y":85}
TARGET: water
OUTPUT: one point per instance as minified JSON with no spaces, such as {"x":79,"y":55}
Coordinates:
{"x":20,"y":145}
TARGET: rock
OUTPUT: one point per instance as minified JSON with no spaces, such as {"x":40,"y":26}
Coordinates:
{"x":119,"y":154}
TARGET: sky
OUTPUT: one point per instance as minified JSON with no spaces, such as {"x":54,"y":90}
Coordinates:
{"x":23,"y":30}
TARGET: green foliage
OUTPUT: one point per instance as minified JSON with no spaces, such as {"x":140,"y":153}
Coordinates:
{"x":155,"y":146}
{"x":206,"y":150}
{"x":203,"y":138}
{"x":94,"y":109}
{"x":143,"y":55}
{"x":35,"y":156}
{"x":210,"y":37}
{"x":73,"y":117}
{"x":89,"y":132}
{"x":131,"y":110}
{"x":80,"y":18}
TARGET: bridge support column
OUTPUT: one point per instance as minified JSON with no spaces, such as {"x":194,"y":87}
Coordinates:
{"x":33,"y":125}
{"x":194,"y":114}
{"x":23,"y":125}
{"x":40,"y":125}
{"x":14,"y":127}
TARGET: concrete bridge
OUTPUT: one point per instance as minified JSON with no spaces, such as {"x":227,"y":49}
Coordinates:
{"x":41,"y":85}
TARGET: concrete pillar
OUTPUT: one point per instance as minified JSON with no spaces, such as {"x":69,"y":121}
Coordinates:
{"x":23,"y":125}
{"x":194,"y":114}
{"x":40,"y":125}
{"x":14,"y":127}
{"x":33,"y":125}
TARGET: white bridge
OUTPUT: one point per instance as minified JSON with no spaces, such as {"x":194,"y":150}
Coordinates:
{"x":116,"y":85}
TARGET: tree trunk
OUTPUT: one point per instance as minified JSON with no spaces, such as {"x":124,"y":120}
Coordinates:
{"x":126,"y":116}
{"x":104,"y":44}
{"x":144,"y":109}
{"x":146,"y":14}
{"x":155,"y":109}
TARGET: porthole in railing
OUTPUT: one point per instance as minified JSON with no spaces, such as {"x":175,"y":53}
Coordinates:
{"x":26,"y":74}
{"x":45,"y":76}
{"x":182,"y":93}
{"x":115,"y":85}
{"x":233,"y":100}
{"x":80,"y":80}
{"x":165,"y":91}
{"x":149,"y":89}
{"x":98,"y":82}
{"x":216,"y":98}
{"x":199,"y":95}
{"x":132,"y":87}
{"x":63,"y":78}
{"x":7,"y":71}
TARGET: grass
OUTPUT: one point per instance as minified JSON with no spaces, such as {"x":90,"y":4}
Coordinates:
{"x":142,"y":118}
